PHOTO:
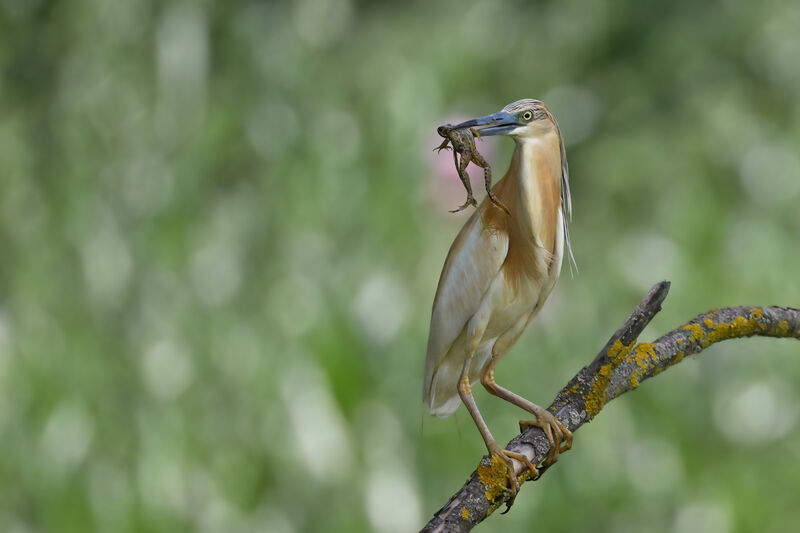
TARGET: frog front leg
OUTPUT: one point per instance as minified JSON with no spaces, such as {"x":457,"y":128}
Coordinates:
{"x":444,"y":146}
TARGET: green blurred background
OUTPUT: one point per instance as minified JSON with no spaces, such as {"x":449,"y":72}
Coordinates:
{"x":222,"y":225}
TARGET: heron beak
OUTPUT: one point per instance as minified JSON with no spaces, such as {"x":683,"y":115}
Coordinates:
{"x":501,"y":123}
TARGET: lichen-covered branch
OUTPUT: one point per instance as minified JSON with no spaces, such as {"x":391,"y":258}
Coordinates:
{"x":620,"y":366}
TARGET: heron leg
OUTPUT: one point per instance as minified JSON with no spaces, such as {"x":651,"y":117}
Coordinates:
{"x":559,"y":436}
{"x":461,"y":166}
{"x":465,"y":392}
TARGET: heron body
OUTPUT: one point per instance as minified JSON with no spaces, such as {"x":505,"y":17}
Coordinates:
{"x":500,"y":269}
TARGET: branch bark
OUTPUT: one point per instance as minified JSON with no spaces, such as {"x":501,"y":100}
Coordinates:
{"x":619,"y":367}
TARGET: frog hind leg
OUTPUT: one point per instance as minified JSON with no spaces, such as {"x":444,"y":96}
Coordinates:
{"x":487,"y":179}
{"x":461,"y":166}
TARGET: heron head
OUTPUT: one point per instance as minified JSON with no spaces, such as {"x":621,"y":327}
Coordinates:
{"x":522,"y":119}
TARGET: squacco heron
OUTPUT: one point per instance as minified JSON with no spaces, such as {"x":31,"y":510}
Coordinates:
{"x":498,"y":273}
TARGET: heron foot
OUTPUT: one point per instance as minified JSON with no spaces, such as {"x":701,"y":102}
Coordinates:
{"x":470,"y":202}
{"x":533,"y":472}
{"x":559,"y":436}
{"x":513,"y":483}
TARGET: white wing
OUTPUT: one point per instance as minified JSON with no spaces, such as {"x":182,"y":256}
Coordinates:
{"x":474,"y":260}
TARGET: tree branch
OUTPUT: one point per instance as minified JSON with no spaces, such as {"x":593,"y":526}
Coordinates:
{"x":619,"y":367}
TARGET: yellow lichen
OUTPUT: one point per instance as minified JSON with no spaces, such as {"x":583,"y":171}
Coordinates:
{"x":465,"y":513}
{"x":696,"y":332}
{"x":645,"y":357}
{"x":494,"y":478}
{"x":617,"y":348}
{"x":598,"y":396}
{"x":739,"y":327}
{"x":643,"y":352}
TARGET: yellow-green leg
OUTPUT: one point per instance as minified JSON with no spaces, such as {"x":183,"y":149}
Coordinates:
{"x":554,"y":430}
{"x":465,"y":392}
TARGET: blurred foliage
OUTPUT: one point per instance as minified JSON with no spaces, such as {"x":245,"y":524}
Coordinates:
{"x":221,"y":228}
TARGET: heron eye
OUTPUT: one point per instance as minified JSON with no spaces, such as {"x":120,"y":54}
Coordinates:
{"x":527,"y":115}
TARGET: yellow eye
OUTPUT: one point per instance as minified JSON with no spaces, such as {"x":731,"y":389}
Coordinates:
{"x":527,"y":115}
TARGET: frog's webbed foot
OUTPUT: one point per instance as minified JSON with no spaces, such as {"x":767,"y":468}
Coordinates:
{"x":470,"y":202}
{"x":475,"y":133}
{"x":496,"y":201}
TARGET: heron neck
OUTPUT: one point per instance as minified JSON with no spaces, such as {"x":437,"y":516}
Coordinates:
{"x":536,"y":167}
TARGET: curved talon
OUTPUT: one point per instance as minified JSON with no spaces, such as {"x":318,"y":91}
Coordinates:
{"x":513,"y":482}
{"x":555,"y":432}
{"x":567,"y":438}
{"x":522,"y":458}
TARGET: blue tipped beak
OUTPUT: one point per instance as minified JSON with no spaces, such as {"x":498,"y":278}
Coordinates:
{"x":501,"y":123}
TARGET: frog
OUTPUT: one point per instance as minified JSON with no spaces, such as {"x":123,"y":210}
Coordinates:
{"x":463,"y":142}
